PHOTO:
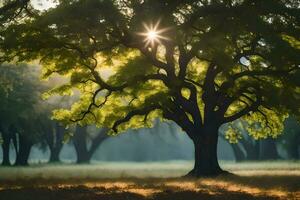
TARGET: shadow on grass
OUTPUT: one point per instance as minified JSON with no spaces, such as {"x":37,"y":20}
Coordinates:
{"x":287,"y":183}
{"x":84,"y":193}
{"x":261,"y":187}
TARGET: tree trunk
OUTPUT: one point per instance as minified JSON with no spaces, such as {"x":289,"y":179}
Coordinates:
{"x":54,"y":155}
{"x":24,"y":151}
{"x":7,"y":137}
{"x":5,"y":149}
{"x":268,"y":150}
{"x":83,"y":157}
{"x":206,"y":160}
{"x":293,"y":149}
{"x":252,"y":149}
{"x":84,"y":154}
{"x":238,"y":153}
{"x":97,"y":141}
{"x":80,"y":144}
{"x":55,"y":142}
{"x":294,"y":152}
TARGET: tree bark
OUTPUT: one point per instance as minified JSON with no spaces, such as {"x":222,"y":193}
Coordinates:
{"x":293,"y":149}
{"x":84,"y":154}
{"x":24,"y":151}
{"x":268,"y":150}
{"x":80,"y":144}
{"x":5,"y":149}
{"x":206,"y":160}
{"x":83,"y":158}
{"x":252,"y":149}
{"x":7,"y":136}
{"x":55,"y":142}
{"x":238,"y":153}
{"x":54,"y":155}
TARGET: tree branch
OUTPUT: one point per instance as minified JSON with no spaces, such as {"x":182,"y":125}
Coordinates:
{"x":142,"y":111}
{"x":244,"y":111}
{"x":267,"y":72}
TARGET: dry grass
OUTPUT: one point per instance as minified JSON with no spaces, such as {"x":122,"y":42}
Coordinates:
{"x":269,"y":180}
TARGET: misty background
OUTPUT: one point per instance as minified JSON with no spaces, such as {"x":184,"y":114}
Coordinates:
{"x":163,"y":142}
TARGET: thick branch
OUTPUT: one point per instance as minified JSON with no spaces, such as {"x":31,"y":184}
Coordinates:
{"x":142,"y":111}
{"x":245,"y":111}
{"x":175,"y":113}
{"x":157,"y":63}
{"x":184,"y":59}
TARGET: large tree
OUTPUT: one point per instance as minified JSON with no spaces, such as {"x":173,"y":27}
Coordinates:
{"x":198,"y":63}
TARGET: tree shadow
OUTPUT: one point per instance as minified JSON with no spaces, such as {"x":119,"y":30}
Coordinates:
{"x":93,"y":193}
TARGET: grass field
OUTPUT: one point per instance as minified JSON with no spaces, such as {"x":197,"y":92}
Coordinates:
{"x":153,"y":180}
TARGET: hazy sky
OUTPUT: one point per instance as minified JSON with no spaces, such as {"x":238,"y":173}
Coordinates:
{"x":43,"y":4}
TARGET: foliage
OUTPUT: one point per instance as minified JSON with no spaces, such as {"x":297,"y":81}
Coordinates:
{"x":18,"y":91}
{"x":11,"y":9}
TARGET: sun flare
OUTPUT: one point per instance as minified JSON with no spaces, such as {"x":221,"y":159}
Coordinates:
{"x":153,"y":33}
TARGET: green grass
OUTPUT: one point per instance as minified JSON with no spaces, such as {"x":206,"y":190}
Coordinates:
{"x":153,"y":180}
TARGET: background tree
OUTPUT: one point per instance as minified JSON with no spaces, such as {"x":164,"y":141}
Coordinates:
{"x":290,"y":140}
{"x":18,"y":91}
{"x":86,"y":143}
{"x":25,"y":118}
{"x":53,"y":136}
{"x":200,"y":64}
{"x":28,"y":133}
{"x":246,"y":147}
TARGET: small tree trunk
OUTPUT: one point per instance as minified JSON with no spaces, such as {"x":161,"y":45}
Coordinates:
{"x":252,"y":149}
{"x":97,"y":141}
{"x":294,"y":151}
{"x":24,"y":151}
{"x":5,"y":150}
{"x":80,"y":144}
{"x":54,"y":155}
{"x":293,"y":148}
{"x":83,"y":158}
{"x":268,"y":150}
{"x":55,"y":142}
{"x":6,"y":136}
{"x":84,"y":154}
{"x":238,"y":153}
{"x":206,"y":160}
